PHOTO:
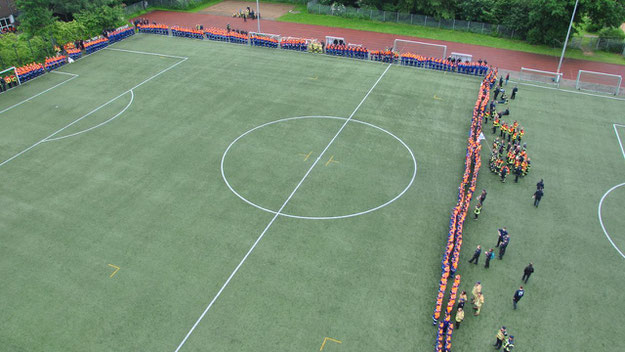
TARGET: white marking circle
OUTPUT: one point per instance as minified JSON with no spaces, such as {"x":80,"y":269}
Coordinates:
{"x":414,"y":173}
{"x":601,"y":219}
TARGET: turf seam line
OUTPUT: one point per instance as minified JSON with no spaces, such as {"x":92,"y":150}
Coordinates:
{"x":132,"y":98}
{"x":262,"y":234}
{"x":38,"y":94}
{"x":91,"y":112}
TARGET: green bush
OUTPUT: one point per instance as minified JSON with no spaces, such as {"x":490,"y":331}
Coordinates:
{"x":611,"y":32}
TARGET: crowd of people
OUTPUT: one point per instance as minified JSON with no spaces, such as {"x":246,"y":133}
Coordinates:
{"x":450,"y":64}
{"x":352,"y":51}
{"x":30,"y":71}
{"x":246,"y":13}
{"x":55,"y":62}
{"x":466,"y":189}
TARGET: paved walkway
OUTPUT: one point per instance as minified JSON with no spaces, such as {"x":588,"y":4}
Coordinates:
{"x":504,"y":59}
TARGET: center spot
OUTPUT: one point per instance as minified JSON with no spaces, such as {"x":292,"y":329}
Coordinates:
{"x":366,"y":167}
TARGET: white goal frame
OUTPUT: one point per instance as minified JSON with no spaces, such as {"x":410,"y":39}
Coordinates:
{"x":602,"y":88}
{"x":330,"y":39}
{"x":549,"y":77}
{"x":269,"y":35}
{"x":14,"y":69}
{"x":440,"y":46}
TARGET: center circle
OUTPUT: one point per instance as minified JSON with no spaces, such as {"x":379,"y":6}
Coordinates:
{"x":312,"y":158}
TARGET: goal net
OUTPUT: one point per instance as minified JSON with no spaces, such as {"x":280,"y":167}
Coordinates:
{"x":598,"y":82}
{"x":9,"y":78}
{"x":402,"y":46}
{"x":264,"y":39}
{"x":540,"y":76}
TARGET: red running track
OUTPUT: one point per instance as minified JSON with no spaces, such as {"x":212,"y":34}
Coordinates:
{"x":504,"y":59}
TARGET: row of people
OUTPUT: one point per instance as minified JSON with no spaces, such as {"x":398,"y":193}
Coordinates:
{"x":120,"y":34}
{"x":465,"y":193}
{"x":227,"y":35}
{"x":261,"y":40}
{"x":352,"y":51}
{"x":384,"y":56}
{"x":296,"y":44}
{"x":471,"y":68}
{"x":95,"y":45}
{"x":187,"y":32}
{"x":53,"y":63}
{"x":30,"y":71}
{"x":153,"y":29}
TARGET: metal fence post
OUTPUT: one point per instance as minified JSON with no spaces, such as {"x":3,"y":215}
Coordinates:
{"x":425,"y":22}
{"x":512,"y":35}
{"x":439,"y":23}
{"x":371,"y":14}
{"x":411,"y":22}
{"x":397,"y":17}
{"x":453,"y":26}
{"x":469,"y":26}
{"x":384,"y":17}
{"x":482,"y":28}
{"x":498,"y":29}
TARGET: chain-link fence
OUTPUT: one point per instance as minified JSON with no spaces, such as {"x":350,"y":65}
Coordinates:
{"x":408,"y":18}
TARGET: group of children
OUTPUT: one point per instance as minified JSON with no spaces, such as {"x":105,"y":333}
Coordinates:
{"x":509,"y":157}
{"x":245,"y":14}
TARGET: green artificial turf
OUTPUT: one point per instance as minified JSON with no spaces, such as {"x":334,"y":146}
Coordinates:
{"x":145,"y":192}
{"x":444,"y":34}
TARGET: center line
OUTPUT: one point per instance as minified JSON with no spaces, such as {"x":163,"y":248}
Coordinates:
{"x":262,"y":234}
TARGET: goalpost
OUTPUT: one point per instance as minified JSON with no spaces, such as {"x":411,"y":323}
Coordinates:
{"x":402,"y":46}
{"x":13,"y":72}
{"x":273,"y":37}
{"x":540,"y":76}
{"x":598,"y":82}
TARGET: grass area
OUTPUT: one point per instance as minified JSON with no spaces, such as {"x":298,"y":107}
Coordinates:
{"x":145,"y":192}
{"x":200,"y":6}
{"x":443,"y":34}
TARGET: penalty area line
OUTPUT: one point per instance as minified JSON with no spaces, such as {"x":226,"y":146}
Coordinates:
{"x":262,"y":234}
{"x":40,"y":93}
{"x":91,"y":112}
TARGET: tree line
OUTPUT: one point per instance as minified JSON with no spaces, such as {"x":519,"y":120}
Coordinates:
{"x":537,"y":21}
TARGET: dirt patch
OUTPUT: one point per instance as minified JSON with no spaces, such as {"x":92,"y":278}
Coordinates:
{"x":267,"y":11}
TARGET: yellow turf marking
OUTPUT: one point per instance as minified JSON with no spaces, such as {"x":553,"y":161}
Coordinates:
{"x":306,"y":155}
{"x":326,"y":339}
{"x":331,"y":160}
{"x":437,"y":98}
{"x":116,"y":269}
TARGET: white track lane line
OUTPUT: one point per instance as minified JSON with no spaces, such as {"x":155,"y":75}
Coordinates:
{"x":91,"y":112}
{"x":262,"y":234}
{"x":132,"y":98}
{"x":38,"y":94}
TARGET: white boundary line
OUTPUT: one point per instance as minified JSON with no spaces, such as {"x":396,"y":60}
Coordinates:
{"x":262,"y":234}
{"x":146,"y":53}
{"x":605,"y":232}
{"x":568,"y":91}
{"x":91,"y":112}
{"x":38,"y":94}
{"x":132,"y":98}
{"x":414,"y":173}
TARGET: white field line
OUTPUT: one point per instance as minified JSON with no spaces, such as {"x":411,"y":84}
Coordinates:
{"x":38,"y":94}
{"x":62,"y":73}
{"x":619,"y":138}
{"x":568,"y":91}
{"x":91,"y":112}
{"x":605,"y":232}
{"x":262,"y":234}
{"x":146,"y":53}
{"x":132,"y":98}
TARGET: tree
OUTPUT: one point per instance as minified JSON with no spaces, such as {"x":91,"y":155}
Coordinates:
{"x":35,"y":16}
{"x":604,"y":13}
{"x":95,"y":19}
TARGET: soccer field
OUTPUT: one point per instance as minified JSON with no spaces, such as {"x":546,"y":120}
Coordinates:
{"x":140,"y":193}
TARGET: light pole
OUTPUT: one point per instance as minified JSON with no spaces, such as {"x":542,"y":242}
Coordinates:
{"x":258,"y":13}
{"x":566,"y":41}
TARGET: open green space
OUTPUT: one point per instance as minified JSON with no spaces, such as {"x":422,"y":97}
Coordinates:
{"x":144,"y":192}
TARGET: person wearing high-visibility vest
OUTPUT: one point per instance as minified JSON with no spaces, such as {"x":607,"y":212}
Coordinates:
{"x":478,"y":210}
{"x":496,"y":122}
{"x":479,"y":302}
